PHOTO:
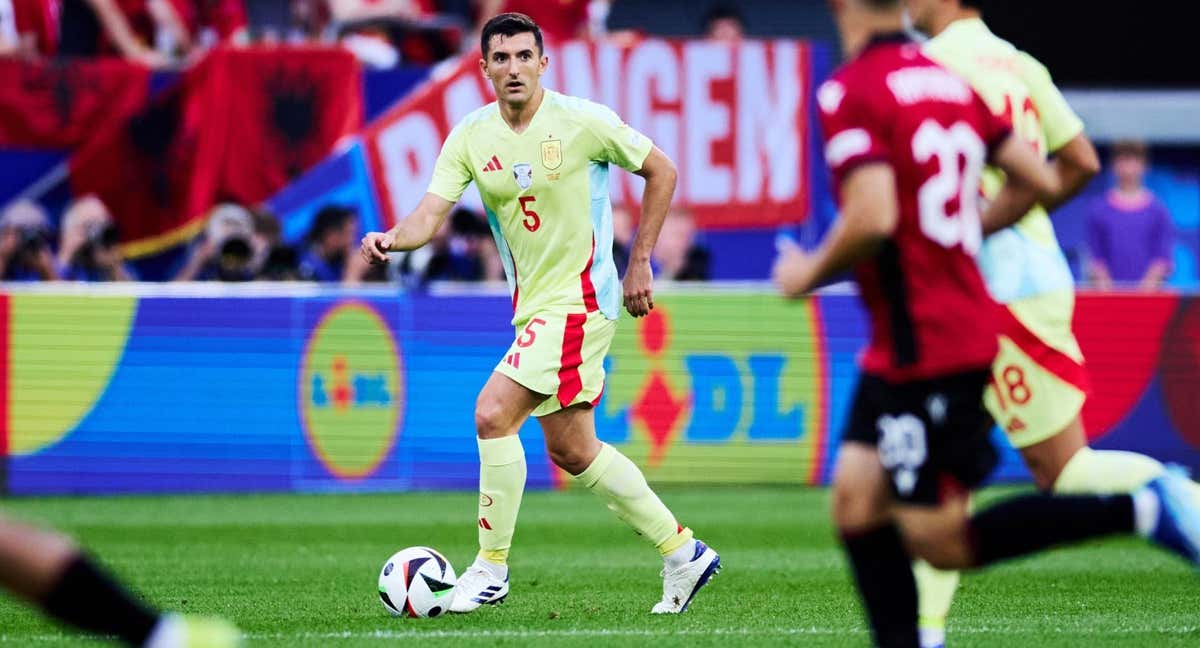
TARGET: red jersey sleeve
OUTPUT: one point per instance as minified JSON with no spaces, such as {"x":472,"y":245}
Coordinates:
{"x":853,"y":135}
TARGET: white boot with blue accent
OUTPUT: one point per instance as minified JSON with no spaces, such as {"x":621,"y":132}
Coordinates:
{"x":685,"y":571}
{"x":484,"y":583}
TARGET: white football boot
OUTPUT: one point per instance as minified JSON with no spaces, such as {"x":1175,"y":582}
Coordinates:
{"x":681,"y":583}
{"x":478,"y":586}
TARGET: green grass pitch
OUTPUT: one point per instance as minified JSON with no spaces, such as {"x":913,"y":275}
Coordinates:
{"x":300,"y":570}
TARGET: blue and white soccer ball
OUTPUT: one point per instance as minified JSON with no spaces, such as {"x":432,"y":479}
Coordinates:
{"x":417,"y":582}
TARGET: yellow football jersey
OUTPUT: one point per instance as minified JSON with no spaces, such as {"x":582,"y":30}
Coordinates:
{"x":545,"y":191}
{"x":1024,"y":260}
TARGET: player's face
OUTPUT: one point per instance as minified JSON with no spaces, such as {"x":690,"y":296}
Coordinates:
{"x":515,"y":66}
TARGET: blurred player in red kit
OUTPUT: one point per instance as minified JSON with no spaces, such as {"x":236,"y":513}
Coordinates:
{"x":906,"y":141}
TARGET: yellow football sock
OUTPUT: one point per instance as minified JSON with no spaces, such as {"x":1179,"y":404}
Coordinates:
{"x":613,"y":476}
{"x":501,"y":484}
{"x":1104,"y":472}
{"x":935,"y":593}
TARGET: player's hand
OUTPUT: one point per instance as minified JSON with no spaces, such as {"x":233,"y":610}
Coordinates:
{"x":639,"y":288}
{"x":375,"y":247}
{"x":792,"y":273}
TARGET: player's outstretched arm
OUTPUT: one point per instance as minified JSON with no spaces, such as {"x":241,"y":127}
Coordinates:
{"x":1029,"y":180}
{"x":409,"y":234}
{"x":869,"y":216}
{"x":660,"y":174}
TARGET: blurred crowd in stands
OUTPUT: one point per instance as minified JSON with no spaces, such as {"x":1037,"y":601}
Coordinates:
{"x":382,"y":33}
{"x":1129,"y":239}
{"x":1128,"y":230}
{"x":171,"y":33}
{"x":240,"y":244}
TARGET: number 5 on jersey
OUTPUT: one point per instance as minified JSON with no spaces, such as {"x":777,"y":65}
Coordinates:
{"x":532,"y":221}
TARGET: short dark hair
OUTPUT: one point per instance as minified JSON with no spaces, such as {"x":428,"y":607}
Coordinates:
{"x":723,"y":12}
{"x":329,"y":219}
{"x":1130,"y":148}
{"x":972,"y":4}
{"x":509,"y":24}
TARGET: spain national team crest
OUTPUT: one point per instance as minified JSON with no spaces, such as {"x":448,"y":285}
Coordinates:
{"x":523,"y":172}
{"x":552,"y":154}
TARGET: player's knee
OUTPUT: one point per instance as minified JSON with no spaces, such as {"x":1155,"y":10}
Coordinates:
{"x":1045,"y":479}
{"x":492,"y":418}
{"x":1045,"y":471}
{"x":855,"y":507}
{"x":569,"y":457}
{"x":937,"y":537}
{"x":941,"y":551}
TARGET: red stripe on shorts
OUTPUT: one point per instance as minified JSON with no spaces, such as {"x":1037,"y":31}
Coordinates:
{"x":516,"y":286}
{"x":585,"y":282}
{"x":1056,"y":362}
{"x":569,"y":381}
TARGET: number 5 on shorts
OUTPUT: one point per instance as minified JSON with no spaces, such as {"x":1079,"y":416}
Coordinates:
{"x":529,"y":336}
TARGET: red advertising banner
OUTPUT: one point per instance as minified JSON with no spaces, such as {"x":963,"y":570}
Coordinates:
{"x":733,"y":118}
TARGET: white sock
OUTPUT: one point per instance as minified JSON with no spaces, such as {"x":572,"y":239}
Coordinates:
{"x":167,"y":633}
{"x":1146,"y":509}
{"x":932,"y":637}
{"x":681,"y":556}
{"x":498,"y":571}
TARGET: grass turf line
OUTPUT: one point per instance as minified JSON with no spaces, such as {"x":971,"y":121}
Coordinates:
{"x":300,"y":570}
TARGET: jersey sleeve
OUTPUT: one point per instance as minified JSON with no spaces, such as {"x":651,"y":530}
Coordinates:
{"x":852,"y":136}
{"x":993,"y":128}
{"x":1059,"y":122}
{"x":451,"y":173}
{"x":619,"y":143}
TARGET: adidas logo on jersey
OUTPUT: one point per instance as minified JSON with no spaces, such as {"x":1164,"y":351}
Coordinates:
{"x":493,"y":165}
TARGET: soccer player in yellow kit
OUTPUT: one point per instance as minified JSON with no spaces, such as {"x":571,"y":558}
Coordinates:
{"x":541,"y":162}
{"x":1038,"y":383}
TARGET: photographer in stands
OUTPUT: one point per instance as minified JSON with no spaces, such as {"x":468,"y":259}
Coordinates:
{"x":25,"y":244}
{"x":226,"y":251}
{"x":87,"y":248}
{"x":332,"y":239}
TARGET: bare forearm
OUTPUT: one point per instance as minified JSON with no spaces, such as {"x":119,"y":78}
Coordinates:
{"x":656,"y":201}
{"x":192,"y":268}
{"x":410,"y":234}
{"x":421,"y":225}
{"x":1156,"y":274}
{"x":845,"y":247}
{"x":119,"y":273}
{"x":117,"y":27}
{"x":1008,"y":207}
{"x":1100,"y":277}
{"x":1075,"y":164}
{"x":1072,"y":180}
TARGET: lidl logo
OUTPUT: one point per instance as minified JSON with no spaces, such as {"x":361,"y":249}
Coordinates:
{"x":732,"y":388}
{"x":351,"y":390}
